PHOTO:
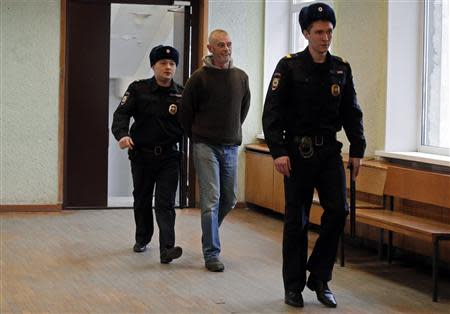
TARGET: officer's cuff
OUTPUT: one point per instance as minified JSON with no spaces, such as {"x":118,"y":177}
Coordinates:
{"x":277,"y":151}
{"x":356,"y":152}
{"x":122,"y":135}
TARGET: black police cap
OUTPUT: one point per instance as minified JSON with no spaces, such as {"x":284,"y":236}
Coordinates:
{"x":163,"y":52}
{"x":316,"y":12}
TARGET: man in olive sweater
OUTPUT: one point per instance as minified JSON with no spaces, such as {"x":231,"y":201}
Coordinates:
{"x":215,"y":103}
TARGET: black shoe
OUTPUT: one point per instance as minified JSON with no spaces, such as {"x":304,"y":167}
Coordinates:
{"x":324,"y":294}
{"x":214,"y":265}
{"x":293,"y":298}
{"x":170,"y":254}
{"x":139,"y":248}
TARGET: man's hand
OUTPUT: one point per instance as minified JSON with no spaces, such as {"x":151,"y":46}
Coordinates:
{"x":126,"y":142}
{"x":354,"y":163}
{"x":283,"y":165}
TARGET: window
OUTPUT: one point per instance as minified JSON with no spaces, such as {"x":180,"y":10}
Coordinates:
{"x":297,"y":41}
{"x":435,"y":129}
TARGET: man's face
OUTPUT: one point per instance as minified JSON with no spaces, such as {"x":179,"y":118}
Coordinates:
{"x":319,"y":36}
{"x":220,"y":47}
{"x":164,"y":69}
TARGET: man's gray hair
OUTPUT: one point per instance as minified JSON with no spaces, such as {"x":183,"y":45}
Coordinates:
{"x":213,"y":34}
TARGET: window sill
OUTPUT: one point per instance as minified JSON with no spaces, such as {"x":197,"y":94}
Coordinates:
{"x":260,"y":136}
{"x":431,"y":159}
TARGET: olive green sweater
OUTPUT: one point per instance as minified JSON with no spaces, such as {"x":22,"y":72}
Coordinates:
{"x":215,"y":103}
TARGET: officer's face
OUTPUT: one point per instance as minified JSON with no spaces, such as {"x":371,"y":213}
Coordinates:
{"x":319,"y":36}
{"x":220,"y":47}
{"x":164,"y":69}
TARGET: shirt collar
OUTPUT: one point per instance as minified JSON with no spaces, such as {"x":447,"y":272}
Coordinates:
{"x":154,"y":86}
{"x":308,"y":56}
{"x":310,"y":65}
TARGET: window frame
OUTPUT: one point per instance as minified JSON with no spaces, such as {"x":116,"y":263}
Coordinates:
{"x":295,"y":33}
{"x":444,"y":151}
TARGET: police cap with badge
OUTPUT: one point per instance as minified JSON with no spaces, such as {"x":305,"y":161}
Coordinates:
{"x":163,"y":52}
{"x":316,"y":12}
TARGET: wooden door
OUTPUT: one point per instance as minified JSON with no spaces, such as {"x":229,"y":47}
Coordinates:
{"x":86,"y":97}
{"x":86,"y":110}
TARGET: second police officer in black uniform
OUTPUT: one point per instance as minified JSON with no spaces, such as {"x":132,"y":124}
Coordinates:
{"x":152,"y":149}
{"x":310,"y":99}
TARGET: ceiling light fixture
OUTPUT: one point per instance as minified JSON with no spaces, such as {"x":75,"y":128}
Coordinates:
{"x":140,"y":18}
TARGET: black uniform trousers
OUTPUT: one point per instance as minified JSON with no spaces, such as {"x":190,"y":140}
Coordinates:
{"x":149,"y":170}
{"x":325,"y":172}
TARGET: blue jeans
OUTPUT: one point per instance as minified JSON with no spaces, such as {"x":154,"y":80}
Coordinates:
{"x":216,"y":167}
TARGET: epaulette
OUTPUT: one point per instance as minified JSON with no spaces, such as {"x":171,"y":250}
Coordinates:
{"x":291,"y":55}
{"x":342,"y":60}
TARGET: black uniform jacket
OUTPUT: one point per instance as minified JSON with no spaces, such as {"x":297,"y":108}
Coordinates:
{"x":155,"y":112}
{"x":307,"y":98}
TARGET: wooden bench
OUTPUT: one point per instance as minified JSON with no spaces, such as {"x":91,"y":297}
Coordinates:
{"x":371,"y":178}
{"x":370,"y":188}
{"x":418,"y":186}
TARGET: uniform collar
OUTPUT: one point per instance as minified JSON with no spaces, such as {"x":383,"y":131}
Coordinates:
{"x":310,"y":65}
{"x":309,"y":58}
{"x":154,"y":86}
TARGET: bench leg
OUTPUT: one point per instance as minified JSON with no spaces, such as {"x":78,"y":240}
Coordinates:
{"x":380,"y":245}
{"x":390,"y":247}
{"x":342,"y":250}
{"x":435,"y":269}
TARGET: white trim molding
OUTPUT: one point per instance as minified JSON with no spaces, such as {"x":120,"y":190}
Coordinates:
{"x":426,"y":158}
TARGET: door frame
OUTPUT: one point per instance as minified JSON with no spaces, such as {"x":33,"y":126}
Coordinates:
{"x":199,"y":23}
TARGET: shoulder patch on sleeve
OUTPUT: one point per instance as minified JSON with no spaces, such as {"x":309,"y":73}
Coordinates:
{"x":275,"y":81}
{"x":124,"y":98}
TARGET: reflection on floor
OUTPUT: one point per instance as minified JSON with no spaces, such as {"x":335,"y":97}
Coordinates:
{"x":120,"y":202}
{"x":82,"y":262}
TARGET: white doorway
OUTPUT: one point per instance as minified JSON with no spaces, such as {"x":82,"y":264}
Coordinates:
{"x":135,"y":30}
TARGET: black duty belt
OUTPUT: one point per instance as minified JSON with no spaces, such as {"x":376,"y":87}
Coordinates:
{"x":316,"y":140}
{"x":158,"y":149}
{"x":306,"y":143}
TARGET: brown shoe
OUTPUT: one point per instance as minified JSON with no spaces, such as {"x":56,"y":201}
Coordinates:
{"x":214,"y":265}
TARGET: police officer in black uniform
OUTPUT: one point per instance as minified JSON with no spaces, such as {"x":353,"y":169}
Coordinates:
{"x":311,"y":97}
{"x":152,"y":149}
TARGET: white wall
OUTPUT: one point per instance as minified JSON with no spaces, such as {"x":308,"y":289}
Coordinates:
{"x":29,"y":84}
{"x":360,"y":38}
{"x":29,"y":69}
{"x":244,"y":21}
{"x":276,"y":37}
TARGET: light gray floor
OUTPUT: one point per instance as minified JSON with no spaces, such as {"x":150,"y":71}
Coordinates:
{"x":82,"y":262}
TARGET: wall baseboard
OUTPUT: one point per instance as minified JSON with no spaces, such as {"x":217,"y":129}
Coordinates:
{"x":241,"y":205}
{"x":31,"y":208}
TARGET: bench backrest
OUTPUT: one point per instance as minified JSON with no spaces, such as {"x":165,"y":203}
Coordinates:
{"x":370,"y":179}
{"x":418,"y":185}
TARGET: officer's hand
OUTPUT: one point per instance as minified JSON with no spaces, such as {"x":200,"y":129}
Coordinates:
{"x":354,"y":163}
{"x":126,"y":142}
{"x":283,"y":165}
